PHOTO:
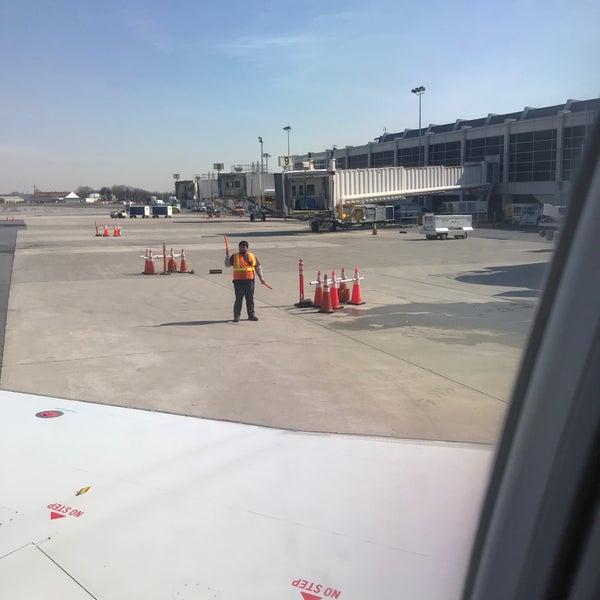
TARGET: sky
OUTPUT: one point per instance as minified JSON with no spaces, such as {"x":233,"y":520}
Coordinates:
{"x":129,"y":93}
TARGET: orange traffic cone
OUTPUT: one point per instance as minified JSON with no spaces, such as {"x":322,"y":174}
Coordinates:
{"x":172,"y":263}
{"x":344,"y":291}
{"x":326,"y":302}
{"x":106,"y":234}
{"x":356,"y":297}
{"x":183,"y":268}
{"x":333,"y":293}
{"x":118,"y":230}
{"x":318,"y":291}
{"x":150,"y":268}
{"x":115,"y":232}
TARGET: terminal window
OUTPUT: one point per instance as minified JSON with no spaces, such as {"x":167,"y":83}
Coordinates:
{"x":573,"y":142}
{"x":532,"y":156}
{"x":447,"y":155}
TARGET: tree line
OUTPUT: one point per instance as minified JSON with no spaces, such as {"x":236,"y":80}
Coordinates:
{"x":120,"y":193}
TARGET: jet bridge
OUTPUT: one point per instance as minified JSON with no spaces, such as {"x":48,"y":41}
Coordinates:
{"x":330,"y":197}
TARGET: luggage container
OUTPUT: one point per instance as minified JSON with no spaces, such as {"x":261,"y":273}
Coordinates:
{"x":162,"y":210}
{"x":139,"y":210}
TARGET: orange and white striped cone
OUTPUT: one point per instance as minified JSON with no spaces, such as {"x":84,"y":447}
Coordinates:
{"x":144,"y":272}
{"x":150,"y":268}
{"x":356,"y":297}
{"x":119,"y":230}
{"x":172,"y":267}
{"x":344,"y":290}
{"x":326,"y":301}
{"x":106,"y":234}
{"x":318,"y":291}
{"x":183,"y":268}
{"x":333,"y":293}
{"x":115,"y":231}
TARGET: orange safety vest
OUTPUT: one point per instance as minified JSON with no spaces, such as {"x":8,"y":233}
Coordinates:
{"x":242,"y":268}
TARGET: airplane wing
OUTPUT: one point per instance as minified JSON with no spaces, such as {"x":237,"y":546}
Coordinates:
{"x":106,"y":502}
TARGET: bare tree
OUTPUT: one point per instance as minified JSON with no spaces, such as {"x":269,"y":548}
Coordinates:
{"x":83,"y":191}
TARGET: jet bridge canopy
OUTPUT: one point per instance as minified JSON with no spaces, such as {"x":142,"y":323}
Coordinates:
{"x":325,"y":190}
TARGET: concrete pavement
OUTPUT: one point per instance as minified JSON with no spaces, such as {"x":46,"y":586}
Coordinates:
{"x":430,"y":355}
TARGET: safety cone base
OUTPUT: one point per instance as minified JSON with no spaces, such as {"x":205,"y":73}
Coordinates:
{"x":305,"y":304}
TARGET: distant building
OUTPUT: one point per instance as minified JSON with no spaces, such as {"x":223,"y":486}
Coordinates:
{"x":185,"y":192}
{"x":532,"y":154}
{"x":43,"y":197}
{"x":10,"y":199}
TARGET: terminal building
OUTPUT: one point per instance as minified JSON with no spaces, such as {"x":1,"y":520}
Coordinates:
{"x":532,"y":155}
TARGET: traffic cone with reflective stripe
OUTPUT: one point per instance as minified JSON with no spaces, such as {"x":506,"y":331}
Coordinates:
{"x":326,"y":300}
{"x":183,"y":267}
{"x":146,"y":263}
{"x":172,"y":267}
{"x":318,"y":291}
{"x":150,"y":268}
{"x":333,"y":293}
{"x":344,"y":291}
{"x":115,"y":231}
{"x":356,"y":297}
{"x":106,"y":234}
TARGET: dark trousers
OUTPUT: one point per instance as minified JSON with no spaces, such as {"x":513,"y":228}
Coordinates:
{"x":244,"y":288}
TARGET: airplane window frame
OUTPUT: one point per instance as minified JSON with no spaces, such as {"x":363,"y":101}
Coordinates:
{"x":539,"y":529}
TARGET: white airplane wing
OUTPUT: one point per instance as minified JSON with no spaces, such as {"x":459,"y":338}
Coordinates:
{"x":105,"y":502}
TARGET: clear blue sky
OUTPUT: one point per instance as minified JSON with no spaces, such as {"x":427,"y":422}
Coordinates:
{"x":113,"y":92}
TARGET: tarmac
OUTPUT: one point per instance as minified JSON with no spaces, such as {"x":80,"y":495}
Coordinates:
{"x":431,"y":354}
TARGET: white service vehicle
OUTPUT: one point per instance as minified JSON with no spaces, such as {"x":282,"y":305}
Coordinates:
{"x":526,"y":214}
{"x":442,"y":226}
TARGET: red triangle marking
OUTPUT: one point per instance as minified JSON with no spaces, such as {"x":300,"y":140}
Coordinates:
{"x":55,"y":515}
{"x":308,"y":596}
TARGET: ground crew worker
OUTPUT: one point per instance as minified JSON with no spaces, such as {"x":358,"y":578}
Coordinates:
{"x":244,"y":264}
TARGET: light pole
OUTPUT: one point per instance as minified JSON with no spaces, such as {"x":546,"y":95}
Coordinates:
{"x":267,"y":156}
{"x":287,"y":129}
{"x":419,"y":91}
{"x":261,"y":153}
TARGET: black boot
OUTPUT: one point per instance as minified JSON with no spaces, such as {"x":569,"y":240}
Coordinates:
{"x":252,"y":317}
